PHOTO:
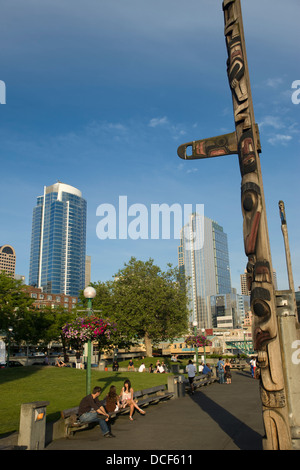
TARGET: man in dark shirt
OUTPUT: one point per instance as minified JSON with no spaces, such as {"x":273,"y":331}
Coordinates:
{"x":90,"y":411}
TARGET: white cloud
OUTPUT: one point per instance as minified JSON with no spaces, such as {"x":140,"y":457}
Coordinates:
{"x":158,"y":121}
{"x":95,"y":128}
{"x":274,"y":82}
{"x":279,"y":139}
{"x":272,"y":121}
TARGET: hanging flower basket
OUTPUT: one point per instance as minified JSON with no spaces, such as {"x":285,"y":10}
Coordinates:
{"x":197,"y":341}
{"x":88,"y":328}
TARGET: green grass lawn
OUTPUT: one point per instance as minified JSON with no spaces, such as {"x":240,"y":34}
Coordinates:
{"x":63,"y":388}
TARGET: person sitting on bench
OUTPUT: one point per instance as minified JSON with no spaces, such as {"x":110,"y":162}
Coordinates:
{"x":91,"y":411}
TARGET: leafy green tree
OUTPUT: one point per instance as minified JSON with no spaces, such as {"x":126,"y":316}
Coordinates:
{"x":15,"y":303}
{"x":149,"y":303}
{"x":30,"y":325}
{"x":56,"y":319}
{"x":103,"y":306}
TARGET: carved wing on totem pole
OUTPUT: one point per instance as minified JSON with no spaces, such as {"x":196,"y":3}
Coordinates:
{"x":245,"y":142}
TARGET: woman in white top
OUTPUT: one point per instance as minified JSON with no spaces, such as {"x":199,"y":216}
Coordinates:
{"x":126,"y":399}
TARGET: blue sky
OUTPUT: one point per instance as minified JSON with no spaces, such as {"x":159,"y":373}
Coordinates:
{"x":99,"y":95}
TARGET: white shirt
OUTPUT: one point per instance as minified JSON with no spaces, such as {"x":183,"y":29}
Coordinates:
{"x":142,"y":368}
{"x":191,"y":370}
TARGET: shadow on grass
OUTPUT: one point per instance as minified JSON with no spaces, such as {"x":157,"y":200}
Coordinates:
{"x":111,"y":380}
{"x":16,"y":373}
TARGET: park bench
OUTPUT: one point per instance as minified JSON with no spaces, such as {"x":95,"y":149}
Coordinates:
{"x":200,"y":381}
{"x":153,"y":395}
{"x":239,"y":366}
{"x":71,"y":421}
{"x":144,"y":398}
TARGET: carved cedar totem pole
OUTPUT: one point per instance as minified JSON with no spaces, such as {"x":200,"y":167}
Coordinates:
{"x":245,"y":142}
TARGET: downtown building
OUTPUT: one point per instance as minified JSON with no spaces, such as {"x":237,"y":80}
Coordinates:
{"x":229,"y":310}
{"x":7,"y":260}
{"x":203,"y":258}
{"x":58,"y":241}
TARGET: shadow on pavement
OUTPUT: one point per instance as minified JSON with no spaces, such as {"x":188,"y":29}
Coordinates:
{"x":243,"y":436}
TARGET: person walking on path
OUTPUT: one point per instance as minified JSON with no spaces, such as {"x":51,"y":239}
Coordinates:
{"x":220,"y":368}
{"x":191,"y":371}
{"x":253,"y":366}
{"x":91,"y":411}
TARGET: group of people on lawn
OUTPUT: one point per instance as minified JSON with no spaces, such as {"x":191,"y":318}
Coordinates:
{"x":160,"y":367}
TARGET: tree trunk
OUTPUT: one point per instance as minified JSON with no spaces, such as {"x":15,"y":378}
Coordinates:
{"x":99,"y":356}
{"x":148,"y":345}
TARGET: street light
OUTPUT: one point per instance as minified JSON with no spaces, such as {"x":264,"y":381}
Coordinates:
{"x":203,"y":331}
{"x":89,"y":293}
{"x":196,"y":349}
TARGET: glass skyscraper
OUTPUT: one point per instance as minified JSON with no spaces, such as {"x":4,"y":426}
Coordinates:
{"x":58,"y":241}
{"x":204,"y":259}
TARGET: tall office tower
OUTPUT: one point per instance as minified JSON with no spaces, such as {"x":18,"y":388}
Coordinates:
{"x":7,"y":260}
{"x":58,"y":241}
{"x":203,"y":256}
{"x":88,"y":265}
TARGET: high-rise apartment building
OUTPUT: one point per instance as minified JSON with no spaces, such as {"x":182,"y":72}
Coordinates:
{"x":7,"y":260}
{"x":58,"y":241}
{"x":204,"y":259}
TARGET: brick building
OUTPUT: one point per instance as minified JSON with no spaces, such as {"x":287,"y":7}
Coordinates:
{"x":42,"y":299}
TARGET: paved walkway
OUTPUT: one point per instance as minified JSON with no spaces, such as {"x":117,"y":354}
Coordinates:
{"x":217,"y":417}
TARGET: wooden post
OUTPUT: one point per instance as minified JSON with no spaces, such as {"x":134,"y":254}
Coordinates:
{"x":246,"y":143}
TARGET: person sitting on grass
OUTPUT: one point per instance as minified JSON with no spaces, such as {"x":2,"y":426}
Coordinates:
{"x":59,"y":362}
{"x":130,"y":365}
{"x":126,"y":399}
